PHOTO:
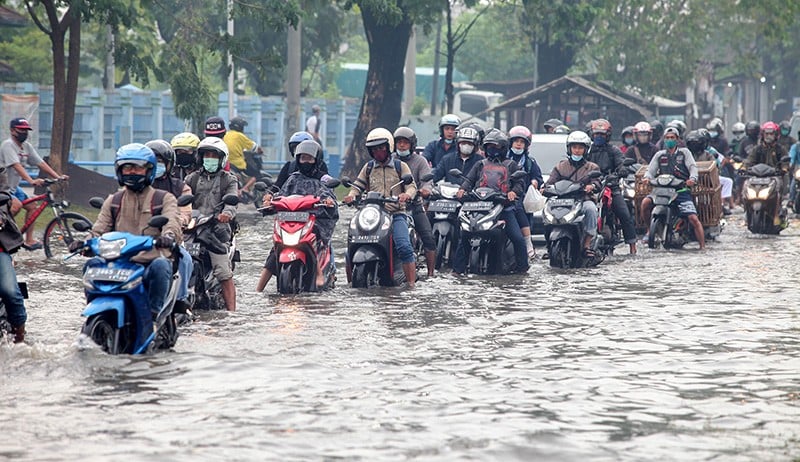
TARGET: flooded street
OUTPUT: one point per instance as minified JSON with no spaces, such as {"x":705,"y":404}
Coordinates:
{"x":671,"y":355}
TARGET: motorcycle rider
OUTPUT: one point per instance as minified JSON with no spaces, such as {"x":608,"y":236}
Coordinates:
{"x":185,"y":146}
{"x":292,"y":166}
{"x":716,"y":133}
{"x":384,"y":172}
{"x":238,"y":143}
{"x":437,"y":149}
{"x":698,"y":143}
{"x":642,"y":151}
{"x":576,"y":168}
{"x":135,"y":165}
{"x":737,"y":131}
{"x":405,"y":143}
{"x":495,"y":172}
{"x":677,"y":161}
{"x":10,"y":293}
{"x":752,"y":130}
{"x":165,"y":156}
{"x":551,"y":124}
{"x":627,"y":139}
{"x":610,"y":161}
{"x":786,"y":139}
{"x":209,"y":185}
{"x":768,"y":150}
{"x":305,"y":181}
{"x":520,"y":138}
{"x":463,"y":159}
{"x":794,"y":164}
{"x":658,"y":132}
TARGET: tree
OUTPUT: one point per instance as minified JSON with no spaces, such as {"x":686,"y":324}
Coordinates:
{"x":454,"y":39}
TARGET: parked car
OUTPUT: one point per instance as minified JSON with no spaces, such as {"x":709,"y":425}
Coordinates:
{"x":548,"y":150}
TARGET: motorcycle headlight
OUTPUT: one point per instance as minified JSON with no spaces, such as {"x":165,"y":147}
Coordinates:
{"x":764,"y":193}
{"x":750,"y":193}
{"x":797,"y":174}
{"x":132,"y":284}
{"x":110,"y":250}
{"x":547,"y":216}
{"x":571,"y":215}
{"x":368,"y":219}
{"x":486,"y":225}
{"x":630,"y":193}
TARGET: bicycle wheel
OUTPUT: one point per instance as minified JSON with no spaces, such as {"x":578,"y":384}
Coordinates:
{"x":59,"y":234}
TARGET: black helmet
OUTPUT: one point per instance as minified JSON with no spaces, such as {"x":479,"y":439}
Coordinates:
{"x":237,"y":123}
{"x":164,"y":152}
{"x":658,"y":129}
{"x":697,"y":141}
{"x":496,"y":137}
{"x":552,"y":124}
{"x":407,"y":133}
{"x":627,"y":131}
{"x":475,"y":126}
{"x":752,"y":129}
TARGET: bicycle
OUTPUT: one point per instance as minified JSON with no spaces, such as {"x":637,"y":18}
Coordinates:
{"x":59,"y":233}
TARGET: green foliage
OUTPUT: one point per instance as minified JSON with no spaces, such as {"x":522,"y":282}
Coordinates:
{"x":419,"y":106}
{"x":28,"y":52}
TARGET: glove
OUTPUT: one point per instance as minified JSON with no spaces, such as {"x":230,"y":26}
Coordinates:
{"x":75,"y":246}
{"x":164,"y":242}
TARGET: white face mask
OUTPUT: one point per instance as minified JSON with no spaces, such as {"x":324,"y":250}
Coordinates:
{"x":405,"y":153}
{"x":466,"y":149}
{"x":517,"y":151}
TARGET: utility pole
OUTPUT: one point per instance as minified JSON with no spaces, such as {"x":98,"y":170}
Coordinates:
{"x":435,"y":83}
{"x":231,"y":112}
{"x":293,"y":79}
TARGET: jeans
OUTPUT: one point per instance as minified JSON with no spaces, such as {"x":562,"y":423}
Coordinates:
{"x":423,"y":227}
{"x":10,"y":293}
{"x":514,"y":235}
{"x":185,"y":266}
{"x":402,"y":241}
{"x":590,"y":218}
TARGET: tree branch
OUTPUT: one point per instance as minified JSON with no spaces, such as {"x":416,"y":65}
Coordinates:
{"x":35,"y":18}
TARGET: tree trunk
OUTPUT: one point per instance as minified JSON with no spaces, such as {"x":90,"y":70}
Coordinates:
{"x":383,"y":92}
{"x":451,"y":55}
{"x":553,"y":61}
{"x":59,"y":98}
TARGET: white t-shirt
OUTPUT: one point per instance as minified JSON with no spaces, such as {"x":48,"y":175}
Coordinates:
{"x":11,"y":153}
{"x":311,"y":124}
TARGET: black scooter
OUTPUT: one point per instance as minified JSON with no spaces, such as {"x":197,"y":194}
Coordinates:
{"x":761,"y":199}
{"x":443,"y":212}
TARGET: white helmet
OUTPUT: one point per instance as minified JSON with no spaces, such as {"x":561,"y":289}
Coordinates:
{"x":212,"y":143}
{"x":579,"y":137}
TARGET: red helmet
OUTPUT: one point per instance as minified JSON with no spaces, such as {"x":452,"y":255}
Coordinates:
{"x":769,"y":126}
{"x":601,"y":126}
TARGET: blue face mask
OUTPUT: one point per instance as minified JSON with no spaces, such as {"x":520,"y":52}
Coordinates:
{"x":599,"y":140}
{"x":517,"y":152}
{"x":669,"y":144}
{"x":575,"y":158}
{"x":713,"y":133}
{"x":211,"y":165}
{"x":446,"y":141}
{"x":628,"y":140}
{"x":161,"y":169}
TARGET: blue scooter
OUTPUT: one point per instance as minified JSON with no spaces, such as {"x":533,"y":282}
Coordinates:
{"x":114,"y":290}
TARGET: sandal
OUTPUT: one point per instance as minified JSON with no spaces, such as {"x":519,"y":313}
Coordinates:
{"x":35,"y":246}
{"x":589,"y":253}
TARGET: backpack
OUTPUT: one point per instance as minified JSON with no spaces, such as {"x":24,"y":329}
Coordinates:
{"x":495,"y":176}
{"x":371,"y":165}
{"x":156,"y":204}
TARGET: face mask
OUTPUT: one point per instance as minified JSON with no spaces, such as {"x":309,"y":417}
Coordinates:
{"x":134,"y":182}
{"x":161,"y":169}
{"x":628,"y":140}
{"x":713,"y":134}
{"x":575,"y":158}
{"x":21,"y":136}
{"x":448,"y":141}
{"x":769,"y":138}
{"x":306,"y":168}
{"x":466,"y":149}
{"x":517,"y":152}
{"x":669,"y":144}
{"x":784,"y":132}
{"x":404,"y":154}
{"x":599,"y":140}
{"x":211,"y":165}
{"x":492,"y":152}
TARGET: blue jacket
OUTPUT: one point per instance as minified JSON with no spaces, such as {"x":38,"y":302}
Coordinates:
{"x":437,"y":149}
{"x":454,"y":160}
{"x":529,"y":165}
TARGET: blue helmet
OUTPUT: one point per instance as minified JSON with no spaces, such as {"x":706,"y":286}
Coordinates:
{"x":297,"y":138}
{"x":137,"y":154}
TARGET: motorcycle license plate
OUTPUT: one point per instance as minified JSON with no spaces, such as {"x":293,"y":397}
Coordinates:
{"x":194,"y":249}
{"x":480,"y":206}
{"x":443,"y":206}
{"x":365,"y":239}
{"x":760,"y":181}
{"x":665,"y":192}
{"x":560,"y":202}
{"x":300,"y":217}
{"x":108,"y":274}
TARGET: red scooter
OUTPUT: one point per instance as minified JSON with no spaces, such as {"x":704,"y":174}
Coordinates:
{"x":297,"y":247}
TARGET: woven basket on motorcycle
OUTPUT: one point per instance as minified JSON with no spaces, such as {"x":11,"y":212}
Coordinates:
{"x":643,"y":188}
{"x":707,"y":194}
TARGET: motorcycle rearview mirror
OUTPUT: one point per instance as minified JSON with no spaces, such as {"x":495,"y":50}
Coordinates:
{"x":81,"y":226}
{"x":518,"y":175}
{"x":185,"y":200}
{"x":332,"y":183}
{"x":158,"y":221}
{"x":230,"y":199}
{"x":407,"y":179}
{"x":426,"y":177}
{"x":346,"y":181}
{"x":628,"y":162}
{"x":737,"y":159}
{"x":262,"y":185}
{"x":4,"y":198}
{"x":96,"y":202}
{"x":594,"y":174}
{"x":455,"y":172}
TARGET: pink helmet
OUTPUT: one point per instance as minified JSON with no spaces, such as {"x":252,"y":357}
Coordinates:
{"x":642,"y":127}
{"x":520,"y":131}
{"x":769,"y":126}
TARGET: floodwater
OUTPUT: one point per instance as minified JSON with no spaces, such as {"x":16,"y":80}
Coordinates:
{"x":671,"y":355}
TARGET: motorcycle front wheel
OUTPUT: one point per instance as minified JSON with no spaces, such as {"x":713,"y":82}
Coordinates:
{"x":290,"y":278}
{"x":442,"y":248}
{"x":657,"y":230}
{"x":365,"y":274}
{"x":103,"y":333}
{"x":561,"y":254}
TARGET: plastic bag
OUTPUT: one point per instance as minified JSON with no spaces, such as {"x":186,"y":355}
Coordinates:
{"x":533,"y":201}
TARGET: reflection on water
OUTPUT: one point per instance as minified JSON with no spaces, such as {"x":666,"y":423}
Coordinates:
{"x":678,"y":355}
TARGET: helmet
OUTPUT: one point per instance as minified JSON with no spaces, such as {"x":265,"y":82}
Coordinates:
{"x":642,"y":127}
{"x":475,"y":126}
{"x":752,"y":129}
{"x":562,"y":129}
{"x":497,"y":137}
{"x":379,"y":136}
{"x":658,"y":129}
{"x":185,"y":140}
{"x":697,"y":141}
{"x":213,"y":143}
{"x":520,"y":131}
{"x":786,"y":127}
{"x":738,"y":131}
{"x":237,"y":123}
{"x":309,"y":147}
{"x":627,"y":131}
{"x":469,"y":135}
{"x":601,"y":126}
{"x":215,"y":126}
{"x":579,"y":137}
{"x":679,"y":125}
{"x":407,"y":133}
{"x":769,"y":126}
{"x":716,"y":125}
{"x":296,"y":139}
{"x":137,"y":154}
{"x":163,"y":152}
{"x":552,"y":124}
{"x":448,"y":119}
